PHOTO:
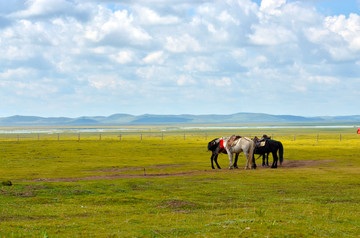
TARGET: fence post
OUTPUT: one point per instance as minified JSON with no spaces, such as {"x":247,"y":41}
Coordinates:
{"x":58,"y":136}
{"x":120,"y":137}
{"x":79,"y":137}
{"x":100,"y":136}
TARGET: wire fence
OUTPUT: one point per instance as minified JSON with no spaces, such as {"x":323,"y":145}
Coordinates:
{"x":179,"y":135}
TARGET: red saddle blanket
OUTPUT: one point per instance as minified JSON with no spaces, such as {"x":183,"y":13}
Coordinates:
{"x":222,"y":144}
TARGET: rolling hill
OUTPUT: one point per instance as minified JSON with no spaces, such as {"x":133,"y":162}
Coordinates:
{"x":152,"y":119}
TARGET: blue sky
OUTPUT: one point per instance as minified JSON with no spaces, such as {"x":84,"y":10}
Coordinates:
{"x":86,"y":58}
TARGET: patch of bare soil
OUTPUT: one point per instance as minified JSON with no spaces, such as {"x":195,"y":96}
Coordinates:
{"x":111,"y":176}
{"x":116,"y":170}
{"x":304,"y":163}
{"x":285,"y":164}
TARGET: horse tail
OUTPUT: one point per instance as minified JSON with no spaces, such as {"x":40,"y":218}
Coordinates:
{"x":281,"y":152}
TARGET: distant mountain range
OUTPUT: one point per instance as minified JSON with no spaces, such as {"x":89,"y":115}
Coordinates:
{"x":151,"y":119}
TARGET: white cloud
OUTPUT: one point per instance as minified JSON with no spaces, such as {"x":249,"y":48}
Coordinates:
{"x":123,"y":57}
{"x":338,"y":35}
{"x":148,"y":16}
{"x":15,"y":74}
{"x":182,"y":44}
{"x":154,"y":58}
{"x":41,"y":89}
{"x":223,"y":82}
{"x":185,"y":80}
{"x":109,"y":82}
{"x":154,"y":48}
{"x":198,"y":64}
{"x":348,"y":29}
{"x":271,"y":35}
{"x":43,"y":7}
{"x":227,"y":18}
{"x":114,"y":28}
{"x":324,"y":79}
{"x":272,"y":6}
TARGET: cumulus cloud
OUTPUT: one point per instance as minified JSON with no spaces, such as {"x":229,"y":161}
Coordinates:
{"x":123,"y":56}
{"x":154,"y":58}
{"x":272,"y":7}
{"x":157,"y":50}
{"x":115,"y":28}
{"x":148,"y":16}
{"x":184,"y":43}
{"x":271,"y":35}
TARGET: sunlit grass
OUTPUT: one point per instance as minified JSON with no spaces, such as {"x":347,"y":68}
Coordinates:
{"x":312,"y":201}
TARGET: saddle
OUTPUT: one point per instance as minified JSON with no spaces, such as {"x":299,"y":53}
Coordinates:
{"x":231,"y":142}
{"x":260,"y":142}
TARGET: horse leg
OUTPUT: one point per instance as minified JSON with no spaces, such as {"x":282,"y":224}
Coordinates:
{"x":231,"y":166}
{"x":236,"y":160}
{"x":263,"y":158}
{"x":249,"y":153}
{"x":253,"y":160}
{"x":212,"y":163}
{"x":267,"y":159}
{"x":275,"y":159}
{"x":215,"y":158}
{"x":247,"y":160}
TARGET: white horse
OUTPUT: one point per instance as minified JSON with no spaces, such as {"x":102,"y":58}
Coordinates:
{"x":235,"y":145}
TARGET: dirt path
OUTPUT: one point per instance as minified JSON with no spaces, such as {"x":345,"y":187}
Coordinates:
{"x":305,"y":163}
{"x":286,"y":164}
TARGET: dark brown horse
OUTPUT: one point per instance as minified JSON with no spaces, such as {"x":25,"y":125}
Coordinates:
{"x":269,"y":146}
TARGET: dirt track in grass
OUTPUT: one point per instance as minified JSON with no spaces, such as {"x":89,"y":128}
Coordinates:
{"x":141,"y":171}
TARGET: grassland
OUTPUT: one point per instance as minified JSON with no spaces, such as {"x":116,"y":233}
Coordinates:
{"x":153,"y":185}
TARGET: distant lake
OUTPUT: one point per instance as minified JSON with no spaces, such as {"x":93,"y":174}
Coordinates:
{"x":99,"y":130}
{"x":67,"y":130}
{"x":261,"y":127}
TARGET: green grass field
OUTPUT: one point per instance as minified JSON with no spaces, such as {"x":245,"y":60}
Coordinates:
{"x":163,"y":186}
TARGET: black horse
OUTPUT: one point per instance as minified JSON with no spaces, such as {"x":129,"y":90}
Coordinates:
{"x":215,"y":147}
{"x":271,"y":146}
